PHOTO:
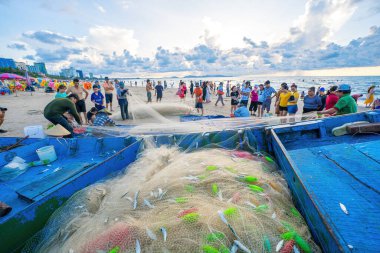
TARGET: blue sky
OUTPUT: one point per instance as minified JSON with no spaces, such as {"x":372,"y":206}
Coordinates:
{"x":176,"y":37}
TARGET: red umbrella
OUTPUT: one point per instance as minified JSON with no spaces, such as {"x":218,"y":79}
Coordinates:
{"x":11,"y":76}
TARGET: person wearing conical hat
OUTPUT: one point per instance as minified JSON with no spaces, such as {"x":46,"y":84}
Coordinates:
{"x":57,"y":131}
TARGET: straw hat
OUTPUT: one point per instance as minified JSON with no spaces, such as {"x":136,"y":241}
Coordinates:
{"x":105,"y":111}
{"x":57,"y":130}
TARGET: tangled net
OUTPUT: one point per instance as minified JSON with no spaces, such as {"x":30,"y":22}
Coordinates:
{"x":210,"y":200}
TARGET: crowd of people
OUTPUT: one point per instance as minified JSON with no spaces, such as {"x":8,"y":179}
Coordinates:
{"x":68,"y":109}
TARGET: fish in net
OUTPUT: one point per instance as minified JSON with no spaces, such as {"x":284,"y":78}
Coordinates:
{"x":208,"y":200}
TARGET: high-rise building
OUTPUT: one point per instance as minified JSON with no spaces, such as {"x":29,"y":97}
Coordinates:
{"x":68,"y":73}
{"x":40,"y":67}
{"x":91,"y":75}
{"x":7,"y":63}
{"x":21,"y":65}
{"x":79,"y":74}
{"x":32,"y":68}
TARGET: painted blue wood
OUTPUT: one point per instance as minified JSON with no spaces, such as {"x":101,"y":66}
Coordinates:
{"x":323,"y":171}
{"x":110,"y":155}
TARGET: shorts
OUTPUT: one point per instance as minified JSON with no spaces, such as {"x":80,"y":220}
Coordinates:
{"x":244,"y":102}
{"x":306,"y":110}
{"x":199,"y":105}
{"x":253,"y":106}
{"x":108,"y":98}
{"x":234,"y":102}
{"x":159,"y":95}
{"x":266,"y":104}
{"x":81,"y":106}
{"x":283,"y":108}
{"x":292,"y":109}
{"x":259,"y":103}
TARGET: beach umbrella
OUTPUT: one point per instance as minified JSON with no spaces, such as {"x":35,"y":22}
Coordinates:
{"x":51,"y":84}
{"x":4,"y":76}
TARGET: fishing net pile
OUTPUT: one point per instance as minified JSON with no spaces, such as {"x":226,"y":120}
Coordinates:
{"x":209,"y":200}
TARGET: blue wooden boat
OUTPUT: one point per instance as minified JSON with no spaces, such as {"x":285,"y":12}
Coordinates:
{"x":325,"y":172}
{"x":36,"y":193}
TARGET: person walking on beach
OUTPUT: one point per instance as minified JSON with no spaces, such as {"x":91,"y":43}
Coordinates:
{"x":55,"y":110}
{"x":149,"y":89}
{"x":370,"y":96}
{"x":254,"y":100}
{"x":108,"y":90}
{"x":204,"y":91}
{"x":228,"y":89}
{"x":311,"y":101}
{"x":208,"y":92}
{"x":198,"y":98}
{"x":159,"y":89}
{"x":97,"y":98}
{"x":61,"y":92}
{"x":122,"y":93}
{"x":191,"y":88}
{"x":268,"y":91}
{"x":81,"y":103}
{"x":292,"y":102}
{"x":345,"y":105}
{"x":220,"y":94}
{"x":181,"y":92}
{"x":234,"y":99}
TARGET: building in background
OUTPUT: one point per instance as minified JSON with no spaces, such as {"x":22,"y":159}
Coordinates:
{"x":7,"y":63}
{"x":68,"y":73}
{"x":32,"y":68}
{"x":21,"y":65}
{"x":91,"y":75}
{"x":41,"y":67}
{"x":79,"y":74}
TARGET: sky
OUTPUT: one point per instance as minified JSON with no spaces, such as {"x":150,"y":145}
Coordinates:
{"x":139,"y":38}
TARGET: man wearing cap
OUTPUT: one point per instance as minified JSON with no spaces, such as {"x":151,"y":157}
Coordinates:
{"x":81,"y":104}
{"x":345,"y":105}
{"x":55,"y":109}
{"x":322,"y":95}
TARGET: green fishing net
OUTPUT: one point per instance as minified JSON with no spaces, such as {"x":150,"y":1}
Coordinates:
{"x":207,"y":200}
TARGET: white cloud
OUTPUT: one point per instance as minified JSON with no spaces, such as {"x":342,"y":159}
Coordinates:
{"x":125,"y":4}
{"x":100,"y":8}
{"x":108,"y":39}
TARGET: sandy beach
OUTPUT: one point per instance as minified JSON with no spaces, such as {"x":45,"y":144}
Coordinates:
{"x":27,"y":110}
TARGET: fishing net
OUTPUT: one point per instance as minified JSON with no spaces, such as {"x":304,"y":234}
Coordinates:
{"x":205,"y":199}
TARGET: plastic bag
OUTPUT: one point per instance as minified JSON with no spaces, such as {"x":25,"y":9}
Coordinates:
{"x":16,"y":167}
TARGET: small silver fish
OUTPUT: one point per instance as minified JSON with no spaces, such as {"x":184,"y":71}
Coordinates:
{"x":220,"y":196}
{"x":295,"y":249}
{"x":250,"y":204}
{"x":151,"y":234}
{"x":159,"y":192}
{"x":106,"y":220}
{"x":221,"y":215}
{"x":135,"y":200}
{"x":162,"y":195}
{"x":164,"y":233}
{"x":234,"y":248}
{"x":241,"y":246}
{"x":279,"y":245}
{"x":138,"y":247}
{"x":130,"y":199}
{"x":148,"y":204}
{"x":274,"y":216}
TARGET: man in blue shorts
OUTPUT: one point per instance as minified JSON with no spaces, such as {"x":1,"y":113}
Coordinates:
{"x":268,"y":91}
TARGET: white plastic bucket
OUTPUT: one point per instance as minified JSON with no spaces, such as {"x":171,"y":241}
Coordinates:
{"x":47,"y":153}
{"x":34,"y":131}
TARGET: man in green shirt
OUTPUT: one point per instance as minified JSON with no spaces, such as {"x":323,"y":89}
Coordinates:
{"x":345,"y":105}
{"x":55,"y":109}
